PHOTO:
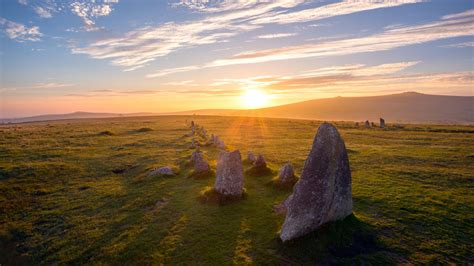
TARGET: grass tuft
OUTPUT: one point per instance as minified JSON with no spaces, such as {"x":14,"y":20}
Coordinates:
{"x":144,"y":129}
{"x":106,"y":133}
{"x":201,"y":175}
{"x":210,"y":196}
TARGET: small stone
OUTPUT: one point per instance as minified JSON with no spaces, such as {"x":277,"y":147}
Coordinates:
{"x":251,"y":157}
{"x":287,"y":175}
{"x":200,"y":163}
{"x":166,"y":170}
{"x":260,"y":162}
{"x":229,"y":174}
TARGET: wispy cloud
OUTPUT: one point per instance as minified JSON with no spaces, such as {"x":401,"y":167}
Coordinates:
{"x":141,"y":46}
{"x":460,"y":45}
{"x":180,"y":83}
{"x":112,"y":93}
{"x":228,"y":19}
{"x":331,"y":10}
{"x":276,"y":35}
{"x":212,"y":6}
{"x":43,"y":12}
{"x":19,"y":32}
{"x":455,"y":25}
{"x":49,"y":85}
{"x":87,"y":10}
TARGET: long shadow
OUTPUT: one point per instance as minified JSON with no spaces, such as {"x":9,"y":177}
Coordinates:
{"x":347,"y":241}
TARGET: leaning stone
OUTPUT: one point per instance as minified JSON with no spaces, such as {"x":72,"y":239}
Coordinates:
{"x":287,"y":175}
{"x":162,"y":171}
{"x":229,"y":174}
{"x":323,"y":193}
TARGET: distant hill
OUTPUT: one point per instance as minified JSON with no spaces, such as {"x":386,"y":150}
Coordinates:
{"x":408,"y":107}
{"x":75,"y":115}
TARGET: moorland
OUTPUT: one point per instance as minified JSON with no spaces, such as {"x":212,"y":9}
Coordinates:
{"x":78,"y":191}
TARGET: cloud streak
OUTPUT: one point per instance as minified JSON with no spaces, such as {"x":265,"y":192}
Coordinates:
{"x":331,"y":10}
{"x":227,"y":19}
{"x":276,"y":35}
{"x":450,"y":26}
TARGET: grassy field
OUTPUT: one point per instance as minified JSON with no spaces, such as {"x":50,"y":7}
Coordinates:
{"x":74,"y":192}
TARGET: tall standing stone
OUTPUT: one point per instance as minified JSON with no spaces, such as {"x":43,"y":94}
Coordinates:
{"x":382,"y":123}
{"x":324,"y":192}
{"x":229,"y":174}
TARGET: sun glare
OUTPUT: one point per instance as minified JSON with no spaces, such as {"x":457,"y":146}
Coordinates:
{"x":254,"y":98}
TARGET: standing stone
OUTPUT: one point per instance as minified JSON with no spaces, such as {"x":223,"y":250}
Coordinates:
{"x":229,"y":174}
{"x":251,"y":157}
{"x":287,"y":174}
{"x":357,"y":124}
{"x":260,"y":162}
{"x":382,"y":123}
{"x":324,"y":192}
{"x":367,"y":124}
{"x":219,"y":143}
{"x":201,"y":165}
{"x":372,"y":124}
{"x":195,"y":156}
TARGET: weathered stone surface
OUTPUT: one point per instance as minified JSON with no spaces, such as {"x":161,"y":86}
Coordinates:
{"x":367,"y":124}
{"x":199,"y":162}
{"x":219,"y":143}
{"x":229,"y":174}
{"x":287,"y":174}
{"x":324,"y":191}
{"x":196,"y":156}
{"x":382,"y":123}
{"x":166,"y":170}
{"x":251,"y":157}
{"x":282,"y":208}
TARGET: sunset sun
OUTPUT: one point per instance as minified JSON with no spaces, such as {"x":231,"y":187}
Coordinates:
{"x":254,"y":98}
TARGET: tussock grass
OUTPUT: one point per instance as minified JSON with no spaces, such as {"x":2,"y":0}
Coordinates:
{"x":144,"y":129}
{"x":211,"y":196}
{"x":107,"y":133}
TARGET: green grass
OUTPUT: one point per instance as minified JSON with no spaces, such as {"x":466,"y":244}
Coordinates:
{"x":72,"y":194}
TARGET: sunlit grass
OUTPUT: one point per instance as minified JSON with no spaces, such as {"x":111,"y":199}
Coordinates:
{"x":61,"y":202}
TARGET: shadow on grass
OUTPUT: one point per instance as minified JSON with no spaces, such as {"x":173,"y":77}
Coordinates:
{"x":346,"y":241}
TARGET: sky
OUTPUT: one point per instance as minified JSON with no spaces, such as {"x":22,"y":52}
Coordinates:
{"x":125,"y":56}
